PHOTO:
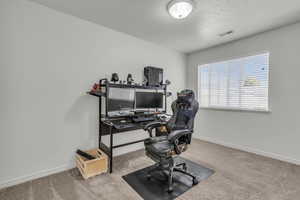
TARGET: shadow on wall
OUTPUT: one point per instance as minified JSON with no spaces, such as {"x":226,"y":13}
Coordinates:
{"x":81,"y":120}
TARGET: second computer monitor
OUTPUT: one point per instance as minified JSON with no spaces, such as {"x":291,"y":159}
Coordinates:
{"x":148,"y":100}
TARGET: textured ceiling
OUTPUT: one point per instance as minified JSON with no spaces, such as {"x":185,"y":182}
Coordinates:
{"x":149,"y":20}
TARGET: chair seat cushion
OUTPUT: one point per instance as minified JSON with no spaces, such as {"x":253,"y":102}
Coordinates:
{"x":155,"y":139}
{"x":160,"y":148}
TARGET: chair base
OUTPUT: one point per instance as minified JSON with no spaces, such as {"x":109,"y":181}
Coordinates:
{"x":169,"y":170}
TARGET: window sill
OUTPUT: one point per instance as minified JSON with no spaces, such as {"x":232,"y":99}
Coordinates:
{"x":236,"y":109}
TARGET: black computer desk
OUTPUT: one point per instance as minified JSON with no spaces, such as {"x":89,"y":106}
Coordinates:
{"x":114,"y":126}
{"x":107,"y":126}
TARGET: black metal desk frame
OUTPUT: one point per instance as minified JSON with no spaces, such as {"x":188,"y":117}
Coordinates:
{"x":106,"y":128}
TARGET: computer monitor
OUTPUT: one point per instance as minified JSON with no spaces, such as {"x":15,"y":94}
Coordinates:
{"x":148,"y":100}
{"x":120,"y":99}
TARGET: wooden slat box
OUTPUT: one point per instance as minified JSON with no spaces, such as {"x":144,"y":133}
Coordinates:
{"x":90,"y":168}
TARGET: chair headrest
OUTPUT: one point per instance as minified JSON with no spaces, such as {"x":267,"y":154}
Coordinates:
{"x":185,"y":97}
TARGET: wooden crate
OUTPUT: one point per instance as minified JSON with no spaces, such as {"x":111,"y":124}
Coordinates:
{"x":89,"y":168}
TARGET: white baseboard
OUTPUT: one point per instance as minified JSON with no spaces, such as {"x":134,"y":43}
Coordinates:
{"x":39,"y":174}
{"x":250,"y":150}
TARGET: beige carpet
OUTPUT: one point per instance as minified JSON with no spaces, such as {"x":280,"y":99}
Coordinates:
{"x":239,"y":176}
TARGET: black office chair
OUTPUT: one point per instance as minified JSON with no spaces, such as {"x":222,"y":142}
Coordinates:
{"x":163,"y":149}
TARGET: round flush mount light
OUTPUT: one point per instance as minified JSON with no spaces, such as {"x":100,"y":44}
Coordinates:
{"x":180,"y":9}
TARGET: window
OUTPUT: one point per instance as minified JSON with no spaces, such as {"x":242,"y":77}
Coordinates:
{"x":239,"y":84}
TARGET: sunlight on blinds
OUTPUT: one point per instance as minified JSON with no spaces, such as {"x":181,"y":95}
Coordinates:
{"x":240,"y":84}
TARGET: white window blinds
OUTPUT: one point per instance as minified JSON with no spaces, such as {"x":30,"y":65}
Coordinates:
{"x":240,"y":84}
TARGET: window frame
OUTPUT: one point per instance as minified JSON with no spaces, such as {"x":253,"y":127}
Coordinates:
{"x":225,"y":108}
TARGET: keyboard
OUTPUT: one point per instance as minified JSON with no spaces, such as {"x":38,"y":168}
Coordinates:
{"x":143,"y":119}
{"x":121,"y":125}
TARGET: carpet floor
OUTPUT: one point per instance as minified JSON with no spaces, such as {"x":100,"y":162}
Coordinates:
{"x":238,"y":176}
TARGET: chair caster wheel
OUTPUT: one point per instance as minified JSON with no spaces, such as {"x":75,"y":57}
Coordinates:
{"x":170,"y":190}
{"x":195,"y":181}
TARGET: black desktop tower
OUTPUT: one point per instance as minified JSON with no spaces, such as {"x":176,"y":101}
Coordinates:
{"x":153,"y":76}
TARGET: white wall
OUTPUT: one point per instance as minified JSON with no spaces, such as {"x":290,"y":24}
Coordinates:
{"x":275,"y":134}
{"x":48,"y":60}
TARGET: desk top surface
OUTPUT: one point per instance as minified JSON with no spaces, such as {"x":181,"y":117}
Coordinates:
{"x":130,"y":123}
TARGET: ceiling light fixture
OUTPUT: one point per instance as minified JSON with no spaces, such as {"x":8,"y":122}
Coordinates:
{"x":180,"y":9}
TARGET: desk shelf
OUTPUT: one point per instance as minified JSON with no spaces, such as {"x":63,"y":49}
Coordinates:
{"x":97,"y":94}
{"x":116,"y":85}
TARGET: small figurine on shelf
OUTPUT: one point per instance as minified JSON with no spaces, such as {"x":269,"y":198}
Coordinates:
{"x":129,"y":79}
{"x":114,"y":77}
{"x":144,"y":82}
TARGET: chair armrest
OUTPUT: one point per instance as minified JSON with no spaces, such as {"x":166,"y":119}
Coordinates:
{"x":152,"y":125}
{"x":175,"y":135}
